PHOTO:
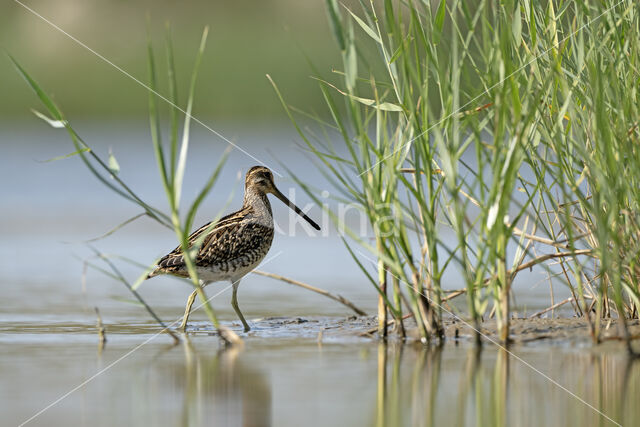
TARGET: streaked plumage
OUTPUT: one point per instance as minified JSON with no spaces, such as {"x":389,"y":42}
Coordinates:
{"x":235,"y":244}
{"x":237,"y":241}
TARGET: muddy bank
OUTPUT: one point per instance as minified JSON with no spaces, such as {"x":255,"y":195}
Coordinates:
{"x":569,"y":330}
{"x":523,"y":330}
{"x":558,"y":330}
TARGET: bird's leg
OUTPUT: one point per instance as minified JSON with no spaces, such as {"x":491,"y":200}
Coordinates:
{"x":234,"y":304}
{"x":187,"y":311}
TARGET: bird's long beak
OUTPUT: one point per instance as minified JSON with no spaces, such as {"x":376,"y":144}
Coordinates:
{"x":297,"y":210}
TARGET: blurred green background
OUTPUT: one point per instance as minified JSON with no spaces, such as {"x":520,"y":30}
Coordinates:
{"x":247,"y":40}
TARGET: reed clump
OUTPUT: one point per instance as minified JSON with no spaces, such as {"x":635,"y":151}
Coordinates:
{"x":512,"y":126}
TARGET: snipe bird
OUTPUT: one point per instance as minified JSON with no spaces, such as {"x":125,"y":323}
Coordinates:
{"x":234,"y":245}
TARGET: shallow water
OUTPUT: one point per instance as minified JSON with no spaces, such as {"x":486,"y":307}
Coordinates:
{"x":283,"y":376}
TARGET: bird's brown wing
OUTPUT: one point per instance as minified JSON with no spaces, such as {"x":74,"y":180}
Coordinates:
{"x":216,"y":235}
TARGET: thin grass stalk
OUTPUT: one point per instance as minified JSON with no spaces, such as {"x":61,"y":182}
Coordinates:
{"x":173,"y":178}
{"x":135,"y":293}
{"x":397,"y":296}
{"x":382,"y":298}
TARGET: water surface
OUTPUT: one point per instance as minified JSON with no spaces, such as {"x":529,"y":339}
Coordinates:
{"x":284,"y":377}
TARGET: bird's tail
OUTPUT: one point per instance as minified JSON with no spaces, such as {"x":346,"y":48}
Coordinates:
{"x":154,"y":273}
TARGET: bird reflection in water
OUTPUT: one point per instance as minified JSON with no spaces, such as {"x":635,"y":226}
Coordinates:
{"x":220,"y":389}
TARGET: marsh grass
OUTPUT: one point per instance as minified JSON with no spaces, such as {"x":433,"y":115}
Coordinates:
{"x":512,"y":124}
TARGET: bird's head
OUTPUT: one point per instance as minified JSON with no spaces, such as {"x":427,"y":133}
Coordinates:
{"x":260,"y":178}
